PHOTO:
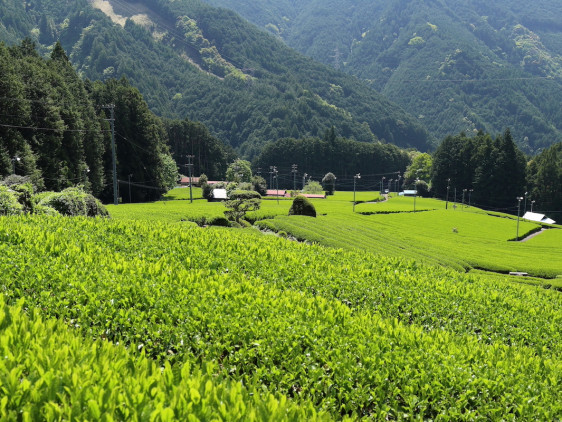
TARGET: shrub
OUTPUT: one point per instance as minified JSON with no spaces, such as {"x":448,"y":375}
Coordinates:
{"x":9,"y":204}
{"x":240,"y":202}
{"x":218,"y":221}
{"x":74,"y":202}
{"x":422,"y":188}
{"x":302,"y":206}
{"x":24,"y":194}
{"x":313,"y":186}
{"x":45,"y":210}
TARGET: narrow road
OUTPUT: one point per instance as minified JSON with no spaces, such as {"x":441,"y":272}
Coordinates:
{"x":532,"y":235}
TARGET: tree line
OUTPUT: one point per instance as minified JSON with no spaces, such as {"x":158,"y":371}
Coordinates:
{"x":495,"y":172}
{"x":55,"y":129}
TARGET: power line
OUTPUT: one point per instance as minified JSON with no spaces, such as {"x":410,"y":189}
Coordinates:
{"x":52,"y":129}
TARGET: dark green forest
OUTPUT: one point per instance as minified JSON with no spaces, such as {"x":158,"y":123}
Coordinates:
{"x":55,"y":130}
{"x":457,"y":65}
{"x":209,"y":65}
{"x":344,"y":157}
{"x":496,"y":172}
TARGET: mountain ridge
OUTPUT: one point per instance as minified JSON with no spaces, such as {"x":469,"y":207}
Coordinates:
{"x":253,"y":88}
{"x":506,"y":74}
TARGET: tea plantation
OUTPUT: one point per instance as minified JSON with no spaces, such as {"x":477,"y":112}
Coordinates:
{"x":146,"y":316}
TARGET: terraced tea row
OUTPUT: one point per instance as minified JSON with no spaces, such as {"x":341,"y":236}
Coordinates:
{"x":353,"y":333}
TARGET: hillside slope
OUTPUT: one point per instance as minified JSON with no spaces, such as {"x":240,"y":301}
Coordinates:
{"x":456,"y":65}
{"x":189,"y":59}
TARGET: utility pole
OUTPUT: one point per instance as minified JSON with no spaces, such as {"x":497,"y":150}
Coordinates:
{"x":111,"y":120}
{"x":14,"y":161}
{"x":519,"y":199}
{"x":276,"y":183}
{"x":447,"y":203}
{"x":130,"y":200}
{"x":271,"y":177}
{"x":294,"y":171}
{"x":415,"y":195}
{"x":189,"y":165}
{"x":463,"y":192}
{"x":357,"y":176}
{"x":455,"y":202}
{"x":304,"y":180}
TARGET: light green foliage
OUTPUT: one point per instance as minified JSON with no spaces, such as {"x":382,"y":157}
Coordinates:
{"x":239,"y":171}
{"x":352,"y":333}
{"x":48,"y":372}
{"x":482,"y":241}
{"x":419,"y":169}
{"x":73,"y":202}
{"x":9,"y":204}
{"x":312,"y":186}
{"x":416,"y":41}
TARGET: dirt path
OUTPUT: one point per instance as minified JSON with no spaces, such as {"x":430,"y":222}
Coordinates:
{"x":532,"y":235}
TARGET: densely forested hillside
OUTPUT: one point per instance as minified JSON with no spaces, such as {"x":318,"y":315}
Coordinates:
{"x":191,"y":60}
{"x":455,"y":64}
{"x":55,"y":131}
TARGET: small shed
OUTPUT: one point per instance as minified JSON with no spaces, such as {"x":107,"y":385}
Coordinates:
{"x":539,"y":218}
{"x":408,"y":192}
{"x":219,"y":195}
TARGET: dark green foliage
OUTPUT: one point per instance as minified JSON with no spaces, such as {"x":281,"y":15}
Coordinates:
{"x":456,"y":64}
{"x":74,"y":202}
{"x":240,"y":202}
{"x":302,"y":206}
{"x":210,"y":155}
{"x":493,"y":169}
{"x":259,"y":185}
{"x":329,"y":182}
{"x":218,"y":221}
{"x":344,"y":157}
{"x":422,"y":188}
{"x":57,"y":136}
{"x":544,"y":181}
{"x":246,"y":86}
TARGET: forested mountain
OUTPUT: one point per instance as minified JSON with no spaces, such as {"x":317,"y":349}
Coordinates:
{"x":457,"y":65}
{"x":192,"y":60}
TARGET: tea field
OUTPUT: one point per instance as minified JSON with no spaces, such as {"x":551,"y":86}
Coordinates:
{"x":146,"y":317}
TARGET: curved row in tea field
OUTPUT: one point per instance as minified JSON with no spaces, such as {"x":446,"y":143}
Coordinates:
{"x":353,"y":333}
{"x":463,"y":240}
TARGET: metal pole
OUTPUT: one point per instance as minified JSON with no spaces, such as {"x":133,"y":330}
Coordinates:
{"x":277,"y":184}
{"x":525,"y":206}
{"x":463,"y":192}
{"x":532,"y":202}
{"x":447,"y":203}
{"x":111,"y":108}
{"x":190,"y":166}
{"x":519,"y":199}
{"x":130,"y":200}
{"x":357,"y":176}
{"x":469,"y":192}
